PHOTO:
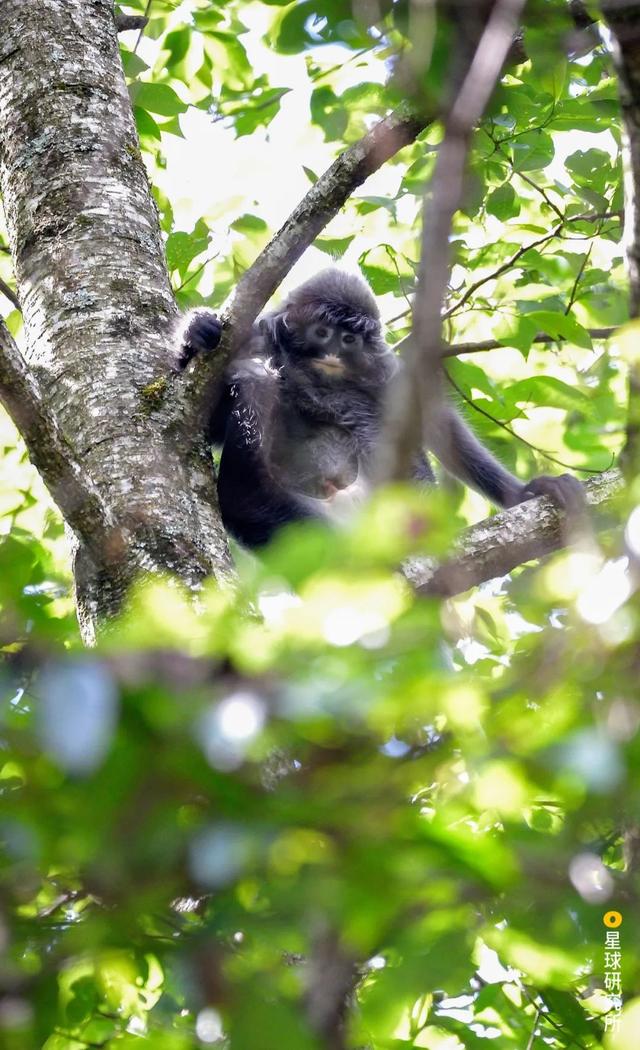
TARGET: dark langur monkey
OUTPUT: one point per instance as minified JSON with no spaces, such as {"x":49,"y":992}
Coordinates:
{"x":299,"y":414}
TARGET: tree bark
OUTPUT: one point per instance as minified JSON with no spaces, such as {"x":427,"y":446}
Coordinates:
{"x":96,"y":298}
{"x":497,"y":545}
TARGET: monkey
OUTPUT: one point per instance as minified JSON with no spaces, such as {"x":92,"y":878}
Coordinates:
{"x":299,"y":413}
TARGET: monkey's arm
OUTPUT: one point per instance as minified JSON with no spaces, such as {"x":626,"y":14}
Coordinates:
{"x":200,"y":333}
{"x":253,"y":501}
{"x":253,"y":505}
{"x":463,"y":455}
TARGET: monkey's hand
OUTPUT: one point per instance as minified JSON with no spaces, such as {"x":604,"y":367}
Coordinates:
{"x":566,"y":492}
{"x":200,"y":333}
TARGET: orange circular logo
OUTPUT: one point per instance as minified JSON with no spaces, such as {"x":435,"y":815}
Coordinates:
{"x":612,"y":919}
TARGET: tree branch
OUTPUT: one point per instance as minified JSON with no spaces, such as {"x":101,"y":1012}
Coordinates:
{"x":456,"y":349}
{"x":497,"y":545}
{"x":126,"y":22}
{"x":321,"y":204}
{"x":9,"y":294}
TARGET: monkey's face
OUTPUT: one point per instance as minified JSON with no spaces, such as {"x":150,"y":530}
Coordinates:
{"x":332,"y":351}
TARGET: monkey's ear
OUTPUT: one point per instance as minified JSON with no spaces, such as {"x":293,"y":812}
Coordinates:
{"x":274,"y":328}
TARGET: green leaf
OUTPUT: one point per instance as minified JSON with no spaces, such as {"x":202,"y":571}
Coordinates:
{"x":328,"y":112}
{"x":158,"y":98}
{"x":533,"y":151}
{"x":564,"y":1007}
{"x":248,"y":223}
{"x":548,"y":391}
{"x":182,"y":247}
{"x":261,"y":113}
{"x":519,"y":333}
{"x":306,"y":24}
{"x":367,"y":204}
{"x":561,"y":326}
{"x":229,"y":59}
{"x":132,"y":63}
{"x":386,"y":270}
{"x":208,"y":20}
{"x":503,"y":202}
{"x":177,"y":44}
{"x":172,"y":127}
{"x":145,"y":124}
{"x":591,"y":166}
{"x":335,"y":246}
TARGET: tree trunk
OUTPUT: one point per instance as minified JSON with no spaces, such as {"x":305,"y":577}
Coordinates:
{"x":97,"y":303}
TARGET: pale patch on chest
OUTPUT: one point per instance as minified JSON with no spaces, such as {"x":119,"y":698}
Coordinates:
{"x":316,"y":461}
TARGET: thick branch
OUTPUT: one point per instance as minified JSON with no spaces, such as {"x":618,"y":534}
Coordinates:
{"x":126,"y":22}
{"x":321,"y":204}
{"x":496,"y":546}
{"x":75,"y":494}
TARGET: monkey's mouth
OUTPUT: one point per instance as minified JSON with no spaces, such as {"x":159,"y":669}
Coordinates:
{"x":329,"y":364}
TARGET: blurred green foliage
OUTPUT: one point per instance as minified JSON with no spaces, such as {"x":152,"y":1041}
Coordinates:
{"x":236,"y":816}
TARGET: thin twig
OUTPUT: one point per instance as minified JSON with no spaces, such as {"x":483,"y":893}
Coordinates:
{"x":265,"y":103}
{"x":142,"y":28}
{"x":456,"y":349}
{"x":473,"y":288}
{"x":505,"y":426}
{"x":196,"y":272}
{"x":534,"y":1028}
{"x":574,"y":290}
{"x":504,"y":267}
{"x":522,"y":175}
{"x":539,"y":189}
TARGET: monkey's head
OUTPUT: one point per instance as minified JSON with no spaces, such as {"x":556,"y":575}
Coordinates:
{"x":330,"y":326}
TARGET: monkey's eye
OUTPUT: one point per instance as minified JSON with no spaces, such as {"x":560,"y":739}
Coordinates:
{"x":321,"y":332}
{"x":348,"y":338}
